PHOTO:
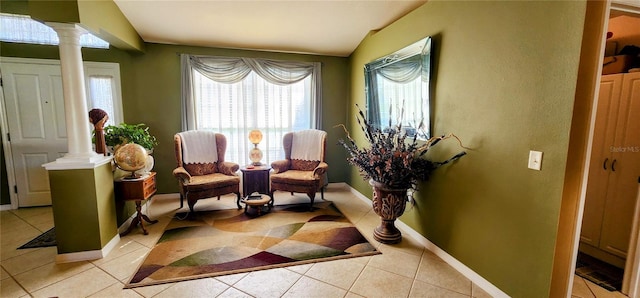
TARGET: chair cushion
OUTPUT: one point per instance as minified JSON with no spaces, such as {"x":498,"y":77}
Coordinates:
{"x":199,"y":169}
{"x":215,"y":180}
{"x":295,"y":177}
{"x":304,"y":165}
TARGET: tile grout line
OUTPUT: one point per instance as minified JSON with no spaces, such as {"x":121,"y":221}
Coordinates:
{"x":16,"y":281}
{"x":415,"y":275}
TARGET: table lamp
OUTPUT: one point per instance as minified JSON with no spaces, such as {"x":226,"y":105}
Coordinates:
{"x":255,"y":155}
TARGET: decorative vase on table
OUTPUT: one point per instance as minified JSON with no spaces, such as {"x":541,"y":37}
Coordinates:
{"x":389,"y":204}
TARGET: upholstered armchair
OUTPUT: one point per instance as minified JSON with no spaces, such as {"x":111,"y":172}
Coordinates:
{"x":201,"y":169}
{"x":304,"y":168}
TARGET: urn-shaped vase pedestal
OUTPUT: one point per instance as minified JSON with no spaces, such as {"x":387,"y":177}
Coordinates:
{"x":389,"y":204}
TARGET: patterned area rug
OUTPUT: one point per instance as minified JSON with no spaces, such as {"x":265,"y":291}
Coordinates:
{"x":220,"y":242}
{"x":45,"y":239}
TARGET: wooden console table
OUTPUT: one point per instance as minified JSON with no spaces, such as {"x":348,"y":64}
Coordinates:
{"x":137,"y":190}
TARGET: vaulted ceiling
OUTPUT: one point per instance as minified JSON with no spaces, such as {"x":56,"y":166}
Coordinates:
{"x":330,"y":27}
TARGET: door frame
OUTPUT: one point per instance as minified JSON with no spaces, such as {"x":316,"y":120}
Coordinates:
{"x":8,"y":156}
{"x":631,"y":279}
{"x":580,"y":147}
{"x":89,"y":67}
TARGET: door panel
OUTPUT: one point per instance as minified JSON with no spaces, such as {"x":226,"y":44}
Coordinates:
{"x":58,"y":119}
{"x":25,"y":108}
{"x":35,"y":115}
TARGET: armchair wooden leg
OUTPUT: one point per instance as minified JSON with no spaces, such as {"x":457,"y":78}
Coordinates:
{"x":271,"y":201}
{"x":237,"y":201}
{"x":191,"y":204}
{"x":181,"y":200}
{"x":312,"y":196}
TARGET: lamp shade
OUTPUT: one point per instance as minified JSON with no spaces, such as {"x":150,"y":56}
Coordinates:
{"x":255,"y":136}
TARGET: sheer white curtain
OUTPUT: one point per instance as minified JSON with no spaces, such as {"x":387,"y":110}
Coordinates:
{"x":235,"y":95}
{"x":23,"y":29}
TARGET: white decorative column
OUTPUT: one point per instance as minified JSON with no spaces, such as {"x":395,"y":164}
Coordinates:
{"x":81,"y":182}
{"x":75,"y":102}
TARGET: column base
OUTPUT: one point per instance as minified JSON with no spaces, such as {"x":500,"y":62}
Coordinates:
{"x":77,"y":162}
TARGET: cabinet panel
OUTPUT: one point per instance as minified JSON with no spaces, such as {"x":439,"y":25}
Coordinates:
{"x":614,"y":170}
{"x":623,"y":179}
{"x":600,"y":164}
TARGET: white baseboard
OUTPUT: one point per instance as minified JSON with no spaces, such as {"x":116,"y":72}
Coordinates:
{"x":5,"y":207}
{"x":90,"y":254}
{"x":453,"y":262}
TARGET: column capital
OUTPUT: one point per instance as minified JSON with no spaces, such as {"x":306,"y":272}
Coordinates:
{"x":68,"y":33}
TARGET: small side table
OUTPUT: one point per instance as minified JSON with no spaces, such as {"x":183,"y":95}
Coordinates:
{"x":255,"y":179}
{"x":137,"y":190}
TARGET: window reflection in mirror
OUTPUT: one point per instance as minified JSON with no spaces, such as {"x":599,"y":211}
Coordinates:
{"x":398,"y":80}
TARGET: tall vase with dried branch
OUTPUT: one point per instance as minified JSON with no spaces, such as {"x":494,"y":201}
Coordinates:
{"x":393,"y":163}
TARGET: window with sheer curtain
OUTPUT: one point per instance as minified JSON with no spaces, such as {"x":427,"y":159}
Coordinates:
{"x":233,"y":96}
{"x":23,"y":29}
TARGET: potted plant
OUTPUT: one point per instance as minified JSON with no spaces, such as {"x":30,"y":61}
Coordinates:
{"x":116,"y":135}
{"x":394,"y":164}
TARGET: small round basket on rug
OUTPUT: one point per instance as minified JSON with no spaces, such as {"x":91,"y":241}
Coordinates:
{"x":257,"y":201}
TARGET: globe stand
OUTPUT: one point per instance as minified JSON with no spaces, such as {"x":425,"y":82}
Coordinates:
{"x":132,"y":176}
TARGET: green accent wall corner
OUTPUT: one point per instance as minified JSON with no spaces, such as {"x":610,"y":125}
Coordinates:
{"x":83,"y":208}
{"x":504,"y":81}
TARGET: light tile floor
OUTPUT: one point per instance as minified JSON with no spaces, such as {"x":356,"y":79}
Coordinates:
{"x":34,"y":273}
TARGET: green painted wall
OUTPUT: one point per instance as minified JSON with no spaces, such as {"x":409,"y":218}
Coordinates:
{"x":14,"y":6}
{"x":504,"y":81}
{"x":83,"y":208}
{"x":105,"y":20}
{"x":63,"y":11}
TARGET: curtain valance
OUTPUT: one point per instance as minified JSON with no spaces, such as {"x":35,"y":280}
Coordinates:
{"x":233,"y":70}
{"x":403,"y":71}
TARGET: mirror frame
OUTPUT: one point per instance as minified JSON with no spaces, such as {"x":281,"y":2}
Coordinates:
{"x":421,"y":49}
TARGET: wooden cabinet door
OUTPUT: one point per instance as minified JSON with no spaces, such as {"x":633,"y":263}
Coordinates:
{"x":600,"y":165}
{"x":623,"y":180}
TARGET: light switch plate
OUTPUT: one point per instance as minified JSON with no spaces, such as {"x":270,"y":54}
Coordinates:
{"x":535,"y":160}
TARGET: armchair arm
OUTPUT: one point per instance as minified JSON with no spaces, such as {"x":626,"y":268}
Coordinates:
{"x":228,"y":168}
{"x":182,"y":175}
{"x":280,"y":166}
{"x":320,"y":169}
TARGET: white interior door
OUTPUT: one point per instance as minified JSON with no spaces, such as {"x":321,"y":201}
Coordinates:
{"x":33,"y":115}
{"x":34,"y":105}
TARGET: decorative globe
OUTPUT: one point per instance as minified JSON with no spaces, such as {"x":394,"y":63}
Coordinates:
{"x":130,"y":157}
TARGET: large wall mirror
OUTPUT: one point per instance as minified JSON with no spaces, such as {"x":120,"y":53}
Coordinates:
{"x":398,"y":80}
